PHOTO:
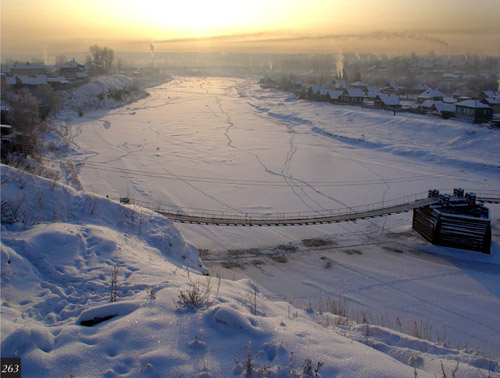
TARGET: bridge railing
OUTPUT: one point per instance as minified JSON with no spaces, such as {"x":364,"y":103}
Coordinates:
{"x":277,"y":216}
{"x":382,"y":207}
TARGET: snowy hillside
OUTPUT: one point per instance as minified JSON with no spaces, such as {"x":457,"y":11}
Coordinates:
{"x":104,"y":92}
{"x":59,"y":250}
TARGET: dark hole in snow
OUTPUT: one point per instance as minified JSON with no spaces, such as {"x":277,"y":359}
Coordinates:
{"x":96,"y":320}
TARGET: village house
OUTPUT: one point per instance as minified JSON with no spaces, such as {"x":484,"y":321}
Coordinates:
{"x":450,"y":100}
{"x":360,"y":85}
{"x":488,"y":94}
{"x":393,"y":88}
{"x":443,"y":110}
{"x":353,"y":96}
{"x":371,"y":92}
{"x":420,"y":88}
{"x":318,"y":93}
{"x":492,"y":102}
{"x":72,"y":70}
{"x":386,"y":101}
{"x":426,"y":106}
{"x":28,"y":69}
{"x":430,"y":94}
{"x":474,"y":111}
{"x":335,"y":96}
{"x":19,"y":81}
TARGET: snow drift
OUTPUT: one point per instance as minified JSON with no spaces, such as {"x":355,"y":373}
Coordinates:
{"x":58,"y":250}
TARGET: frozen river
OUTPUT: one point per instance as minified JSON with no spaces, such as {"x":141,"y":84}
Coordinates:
{"x":226,"y":144}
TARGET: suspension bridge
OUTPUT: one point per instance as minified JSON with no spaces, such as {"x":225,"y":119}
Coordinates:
{"x":347,"y":214}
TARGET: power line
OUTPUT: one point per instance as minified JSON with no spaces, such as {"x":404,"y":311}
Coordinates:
{"x":102,"y":167}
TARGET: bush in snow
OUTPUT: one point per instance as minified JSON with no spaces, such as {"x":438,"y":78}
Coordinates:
{"x":114,"y":283}
{"x":197,"y":295}
{"x":250,"y":368}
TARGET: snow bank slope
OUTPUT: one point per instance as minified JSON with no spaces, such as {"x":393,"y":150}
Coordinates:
{"x":106,"y":92}
{"x":58,"y":251}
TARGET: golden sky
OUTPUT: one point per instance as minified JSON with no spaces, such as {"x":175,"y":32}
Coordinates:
{"x":41,"y":27}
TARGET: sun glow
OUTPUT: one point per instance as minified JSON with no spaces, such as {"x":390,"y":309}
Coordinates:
{"x":191,"y":17}
{"x":30,"y":26}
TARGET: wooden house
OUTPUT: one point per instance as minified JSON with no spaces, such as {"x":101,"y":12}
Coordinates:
{"x":372,"y":92}
{"x":318,"y":93}
{"x":443,"y":109}
{"x":72,"y":70}
{"x":335,"y":96}
{"x":492,"y":102}
{"x":28,"y":69}
{"x":393,"y":88}
{"x":360,"y":85}
{"x":486,"y":94}
{"x":386,"y":101}
{"x":456,"y":221}
{"x":420,"y":88}
{"x":353,"y":96}
{"x":430,"y":94}
{"x":474,"y":111}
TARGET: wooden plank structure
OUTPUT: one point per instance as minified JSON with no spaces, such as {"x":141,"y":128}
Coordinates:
{"x":456,"y":221}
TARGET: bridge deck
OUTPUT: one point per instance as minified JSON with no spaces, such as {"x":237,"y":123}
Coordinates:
{"x":220,"y":218}
{"x":276,"y":220}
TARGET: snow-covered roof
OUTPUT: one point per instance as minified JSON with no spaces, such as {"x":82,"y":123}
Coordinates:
{"x":11,"y":80}
{"x":491,"y":93}
{"x":335,"y":93}
{"x":354,"y":92}
{"x":37,"y":80}
{"x":28,"y":65}
{"x":442,"y":107}
{"x":70,"y":64}
{"x":315,"y":89}
{"x":427,"y":104}
{"x":473,"y":104}
{"x":449,"y":100}
{"x":359,"y":84}
{"x":431,"y":93}
{"x":421,"y":87}
{"x":27,"y":80}
{"x":393,"y":85}
{"x":57,"y":79}
{"x":372,"y":93}
{"x":388,"y":99}
{"x":492,"y":100}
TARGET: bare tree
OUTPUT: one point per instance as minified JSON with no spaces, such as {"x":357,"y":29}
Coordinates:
{"x":102,"y":57}
{"x":25,"y":112}
{"x":48,"y":100}
{"x":60,"y":59}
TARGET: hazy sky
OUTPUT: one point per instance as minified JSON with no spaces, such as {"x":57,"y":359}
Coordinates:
{"x":49,"y":27}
